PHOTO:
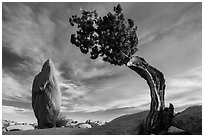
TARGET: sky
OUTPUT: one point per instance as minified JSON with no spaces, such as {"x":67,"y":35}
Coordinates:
{"x":170,"y":39}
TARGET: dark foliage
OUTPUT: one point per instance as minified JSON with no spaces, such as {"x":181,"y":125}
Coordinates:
{"x":109,"y":37}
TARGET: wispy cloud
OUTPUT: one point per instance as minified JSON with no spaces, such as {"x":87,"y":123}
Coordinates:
{"x":10,"y":109}
{"x":17,"y":114}
{"x":72,"y":93}
{"x":185,"y":88}
{"x":27,"y":37}
{"x":85,"y":68}
{"x":14,"y":90}
{"x":182,"y":90}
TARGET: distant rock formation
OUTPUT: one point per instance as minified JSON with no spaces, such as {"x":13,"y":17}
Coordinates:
{"x":94,"y":123}
{"x":4,"y":129}
{"x":83,"y":125}
{"x":20,"y":127}
{"x":189,"y":120}
{"x":46,"y":96}
{"x":64,"y":122}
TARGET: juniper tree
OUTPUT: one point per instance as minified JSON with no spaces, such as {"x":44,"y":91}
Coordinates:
{"x":115,"y":40}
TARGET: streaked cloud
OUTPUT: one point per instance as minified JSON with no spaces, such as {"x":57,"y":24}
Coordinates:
{"x":186,"y":88}
{"x":15,"y":113}
{"x":27,"y":37}
{"x":14,"y":90}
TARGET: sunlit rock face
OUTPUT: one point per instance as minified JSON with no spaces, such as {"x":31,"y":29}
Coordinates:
{"x":46,"y":96}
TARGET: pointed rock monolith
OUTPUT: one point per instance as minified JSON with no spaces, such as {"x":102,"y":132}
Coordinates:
{"x":46,"y":96}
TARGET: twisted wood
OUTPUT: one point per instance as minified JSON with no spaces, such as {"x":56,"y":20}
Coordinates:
{"x":154,"y":122}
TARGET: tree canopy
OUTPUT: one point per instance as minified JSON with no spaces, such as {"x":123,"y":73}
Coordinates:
{"x":110,"y":36}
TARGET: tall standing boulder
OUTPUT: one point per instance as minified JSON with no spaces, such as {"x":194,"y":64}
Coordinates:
{"x":46,"y":96}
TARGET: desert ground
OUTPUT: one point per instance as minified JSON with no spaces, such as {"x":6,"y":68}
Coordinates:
{"x":187,"y":122}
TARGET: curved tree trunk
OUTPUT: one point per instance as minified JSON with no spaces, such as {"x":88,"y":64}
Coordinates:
{"x":159,"y":118}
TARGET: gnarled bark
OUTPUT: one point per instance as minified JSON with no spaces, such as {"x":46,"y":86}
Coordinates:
{"x":159,"y":118}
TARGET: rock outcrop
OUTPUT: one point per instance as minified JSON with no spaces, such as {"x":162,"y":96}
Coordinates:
{"x":20,"y":127}
{"x":83,"y":125}
{"x":183,"y":123}
{"x":189,"y":120}
{"x":124,"y":125}
{"x":46,"y":96}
